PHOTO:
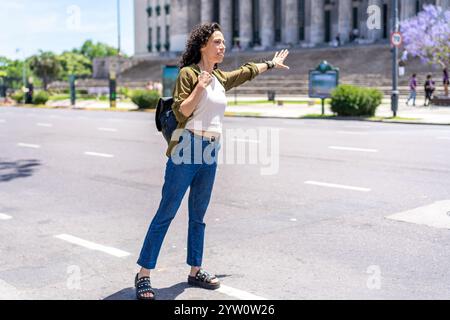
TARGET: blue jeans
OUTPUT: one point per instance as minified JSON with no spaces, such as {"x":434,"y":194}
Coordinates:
{"x":199,"y":176}
{"x":412,"y":95}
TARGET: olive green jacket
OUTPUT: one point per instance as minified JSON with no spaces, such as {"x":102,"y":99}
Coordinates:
{"x":187,"y":81}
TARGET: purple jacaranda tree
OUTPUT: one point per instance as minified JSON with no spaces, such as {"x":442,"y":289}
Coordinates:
{"x":427,"y":36}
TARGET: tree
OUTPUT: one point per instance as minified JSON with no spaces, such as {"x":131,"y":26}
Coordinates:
{"x":427,"y":36}
{"x":46,"y":66}
{"x":12,"y":71}
{"x":93,"y":50}
{"x":75,"y":63}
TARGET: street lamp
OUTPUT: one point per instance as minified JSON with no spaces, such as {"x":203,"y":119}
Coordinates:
{"x":118,"y":27}
{"x":395,"y":92}
{"x":24,"y":72}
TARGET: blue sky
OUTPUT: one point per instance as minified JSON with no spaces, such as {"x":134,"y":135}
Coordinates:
{"x":59,"y":25}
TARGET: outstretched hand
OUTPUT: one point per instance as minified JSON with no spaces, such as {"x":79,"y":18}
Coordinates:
{"x":279,"y":58}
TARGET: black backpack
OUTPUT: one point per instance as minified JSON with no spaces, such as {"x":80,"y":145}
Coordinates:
{"x":165,"y":118}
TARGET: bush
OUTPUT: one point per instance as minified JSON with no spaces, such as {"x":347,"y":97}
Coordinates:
{"x":347,"y":100}
{"x":145,"y":99}
{"x":41,"y":97}
{"x":126,"y":92}
{"x":18,"y":96}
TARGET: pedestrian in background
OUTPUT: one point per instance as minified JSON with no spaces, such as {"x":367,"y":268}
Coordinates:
{"x":446,"y":81}
{"x":429,"y":90}
{"x":199,"y":99}
{"x":412,"y":90}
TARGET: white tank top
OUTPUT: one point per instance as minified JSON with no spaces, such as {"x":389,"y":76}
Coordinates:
{"x":210,"y":112}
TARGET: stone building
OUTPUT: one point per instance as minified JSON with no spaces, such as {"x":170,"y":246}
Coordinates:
{"x":163,"y":26}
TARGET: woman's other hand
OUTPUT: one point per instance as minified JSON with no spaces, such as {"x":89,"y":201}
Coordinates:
{"x":204,"y":79}
{"x":279,"y":59}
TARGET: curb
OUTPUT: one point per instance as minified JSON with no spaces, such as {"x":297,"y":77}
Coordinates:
{"x":240,"y":115}
{"x":234,"y":114}
{"x":83,"y":109}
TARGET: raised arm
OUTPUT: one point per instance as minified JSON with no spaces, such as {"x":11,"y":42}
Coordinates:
{"x":250,"y":70}
{"x":277,"y":62}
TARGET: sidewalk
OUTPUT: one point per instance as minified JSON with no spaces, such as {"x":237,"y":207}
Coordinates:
{"x":405,"y":114}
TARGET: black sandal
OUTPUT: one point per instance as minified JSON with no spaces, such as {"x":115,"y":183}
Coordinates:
{"x":143,"y":286}
{"x":203,"y":280}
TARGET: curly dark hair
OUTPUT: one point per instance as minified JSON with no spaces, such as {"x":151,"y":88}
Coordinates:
{"x":197,"y":39}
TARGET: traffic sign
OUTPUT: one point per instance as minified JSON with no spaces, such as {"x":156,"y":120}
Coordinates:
{"x":396,"y":39}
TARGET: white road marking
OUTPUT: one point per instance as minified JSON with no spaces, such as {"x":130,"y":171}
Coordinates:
{"x":293,"y":220}
{"x":338,"y":186}
{"x":352,"y":132}
{"x":443,"y":138}
{"x":44,"y":125}
{"x":2,"y":121}
{"x":93,"y":246}
{"x":107,"y":129}
{"x":352,"y":149}
{"x":435,"y":215}
{"x":239,"y":294}
{"x":5,"y":217}
{"x":28,"y":145}
{"x":96,"y":154}
{"x":55,"y":116}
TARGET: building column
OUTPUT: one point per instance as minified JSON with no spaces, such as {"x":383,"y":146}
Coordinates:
{"x":140,"y":27}
{"x":345,"y":13}
{"x":267,"y":23}
{"x":291,"y":25}
{"x":206,"y":11}
{"x":180,"y":19}
{"x":407,"y":9}
{"x":245,"y":23}
{"x":376,"y":34}
{"x":226,"y":21}
{"x":445,"y":4}
{"x":316,"y":16}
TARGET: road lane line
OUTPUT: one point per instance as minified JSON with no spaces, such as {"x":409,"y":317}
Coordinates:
{"x":2,"y":121}
{"x":338,"y":186}
{"x":44,"y":125}
{"x":96,"y":154}
{"x":443,"y":138}
{"x":5,"y":217}
{"x":352,"y":149}
{"x":93,"y":246}
{"x":239,"y":294}
{"x":28,"y":145}
{"x":107,"y":129}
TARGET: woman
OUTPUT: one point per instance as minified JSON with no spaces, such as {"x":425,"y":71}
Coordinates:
{"x":429,"y":90}
{"x":199,"y":106}
{"x":412,"y":90}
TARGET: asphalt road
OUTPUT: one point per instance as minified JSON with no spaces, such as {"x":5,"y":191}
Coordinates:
{"x":78,"y":190}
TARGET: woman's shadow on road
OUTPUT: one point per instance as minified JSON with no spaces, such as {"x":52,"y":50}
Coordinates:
{"x":170,"y":293}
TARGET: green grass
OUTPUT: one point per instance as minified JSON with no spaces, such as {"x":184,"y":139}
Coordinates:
{"x":317,"y":116}
{"x":59,"y":97}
